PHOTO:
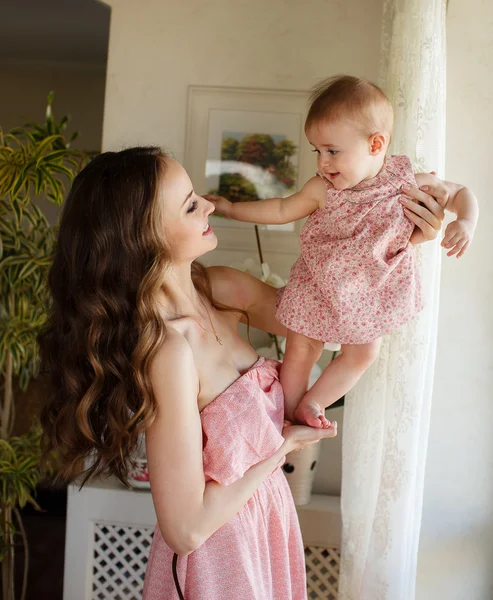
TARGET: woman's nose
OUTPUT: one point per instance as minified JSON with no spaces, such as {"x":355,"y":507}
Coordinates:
{"x":209,"y":207}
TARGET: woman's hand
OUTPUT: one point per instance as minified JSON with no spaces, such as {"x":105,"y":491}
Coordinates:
{"x":297,"y":437}
{"x":424,"y":207}
{"x":223,"y":206}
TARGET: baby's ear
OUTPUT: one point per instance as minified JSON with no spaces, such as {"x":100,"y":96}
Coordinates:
{"x":378,"y":143}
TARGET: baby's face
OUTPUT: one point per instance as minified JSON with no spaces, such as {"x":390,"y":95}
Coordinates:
{"x":344,"y":154}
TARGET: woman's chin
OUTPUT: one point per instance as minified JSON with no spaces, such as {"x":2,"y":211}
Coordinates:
{"x":209,"y":240}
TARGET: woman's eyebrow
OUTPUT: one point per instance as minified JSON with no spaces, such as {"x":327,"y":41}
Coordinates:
{"x":187,"y":197}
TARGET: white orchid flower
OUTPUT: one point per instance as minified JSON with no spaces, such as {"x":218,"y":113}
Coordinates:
{"x":272,"y":279}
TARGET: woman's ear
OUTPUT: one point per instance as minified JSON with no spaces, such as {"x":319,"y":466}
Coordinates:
{"x":378,"y":143}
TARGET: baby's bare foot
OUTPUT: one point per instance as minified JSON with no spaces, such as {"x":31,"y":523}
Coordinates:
{"x":311,"y":414}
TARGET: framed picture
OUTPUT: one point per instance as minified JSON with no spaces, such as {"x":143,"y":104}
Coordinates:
{"x":247,"y":144}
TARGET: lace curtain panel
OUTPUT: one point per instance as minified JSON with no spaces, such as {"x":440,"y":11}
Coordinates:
{"x":386,"y":417}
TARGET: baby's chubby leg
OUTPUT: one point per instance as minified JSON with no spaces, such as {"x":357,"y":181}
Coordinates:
{"x":300,"y":356}
{"x":336,"y":380}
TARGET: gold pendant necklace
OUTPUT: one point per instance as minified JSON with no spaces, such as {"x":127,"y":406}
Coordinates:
{"x":214,"y":332}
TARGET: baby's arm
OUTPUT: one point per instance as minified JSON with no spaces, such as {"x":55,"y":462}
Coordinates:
{"x":463,"y":203}
{"x":275,"y":211}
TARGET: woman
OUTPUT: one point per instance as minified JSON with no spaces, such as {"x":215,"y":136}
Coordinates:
{"x":141,"y":337}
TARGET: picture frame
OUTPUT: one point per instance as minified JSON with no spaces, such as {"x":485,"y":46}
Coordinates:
{"x":222,"y":121}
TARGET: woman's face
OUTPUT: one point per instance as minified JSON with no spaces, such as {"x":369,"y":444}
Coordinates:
{"x":185,"y":216}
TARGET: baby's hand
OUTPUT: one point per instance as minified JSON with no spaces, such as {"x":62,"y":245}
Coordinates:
{"x":458,"y":236}
{"x":222,"y":205}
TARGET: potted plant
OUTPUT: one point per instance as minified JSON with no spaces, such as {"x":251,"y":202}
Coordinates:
{"x":35,"y":160}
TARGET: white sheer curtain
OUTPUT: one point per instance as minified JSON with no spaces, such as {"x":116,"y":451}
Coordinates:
{"x":386,"y":417}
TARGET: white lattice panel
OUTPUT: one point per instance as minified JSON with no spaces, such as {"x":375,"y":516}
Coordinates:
{"x":119,"y":561}
{"x":322,"y":572}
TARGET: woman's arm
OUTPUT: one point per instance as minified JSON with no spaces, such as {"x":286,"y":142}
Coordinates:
{"x":241,"y":290}
{"x":188,"y":509}
{"x":424,"y":208}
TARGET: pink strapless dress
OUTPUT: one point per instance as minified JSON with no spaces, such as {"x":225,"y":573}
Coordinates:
{"x":258,"y":554}
{"x":356,"y":278}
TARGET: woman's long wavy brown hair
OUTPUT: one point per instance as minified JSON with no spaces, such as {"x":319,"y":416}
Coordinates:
{"x":104,"y":327}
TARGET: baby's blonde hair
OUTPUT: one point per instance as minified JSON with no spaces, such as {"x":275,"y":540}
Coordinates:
{"x":352,"y":98}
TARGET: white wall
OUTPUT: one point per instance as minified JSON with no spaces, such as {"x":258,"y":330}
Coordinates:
{"x":456,"y":548}
{"x":157,"y":49}
{"x":79,"y":92}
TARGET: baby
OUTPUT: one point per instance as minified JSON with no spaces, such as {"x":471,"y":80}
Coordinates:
{"x":356,"y":278}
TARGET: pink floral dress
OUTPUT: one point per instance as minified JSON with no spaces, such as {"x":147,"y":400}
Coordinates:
{"x":258,"y":554}
{"x":356,"y":278}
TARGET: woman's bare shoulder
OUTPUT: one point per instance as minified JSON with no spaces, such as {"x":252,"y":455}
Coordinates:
{"x":174,"y":356}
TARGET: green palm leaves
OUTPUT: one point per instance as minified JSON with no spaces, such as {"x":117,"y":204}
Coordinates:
{"x":35,"y":161}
